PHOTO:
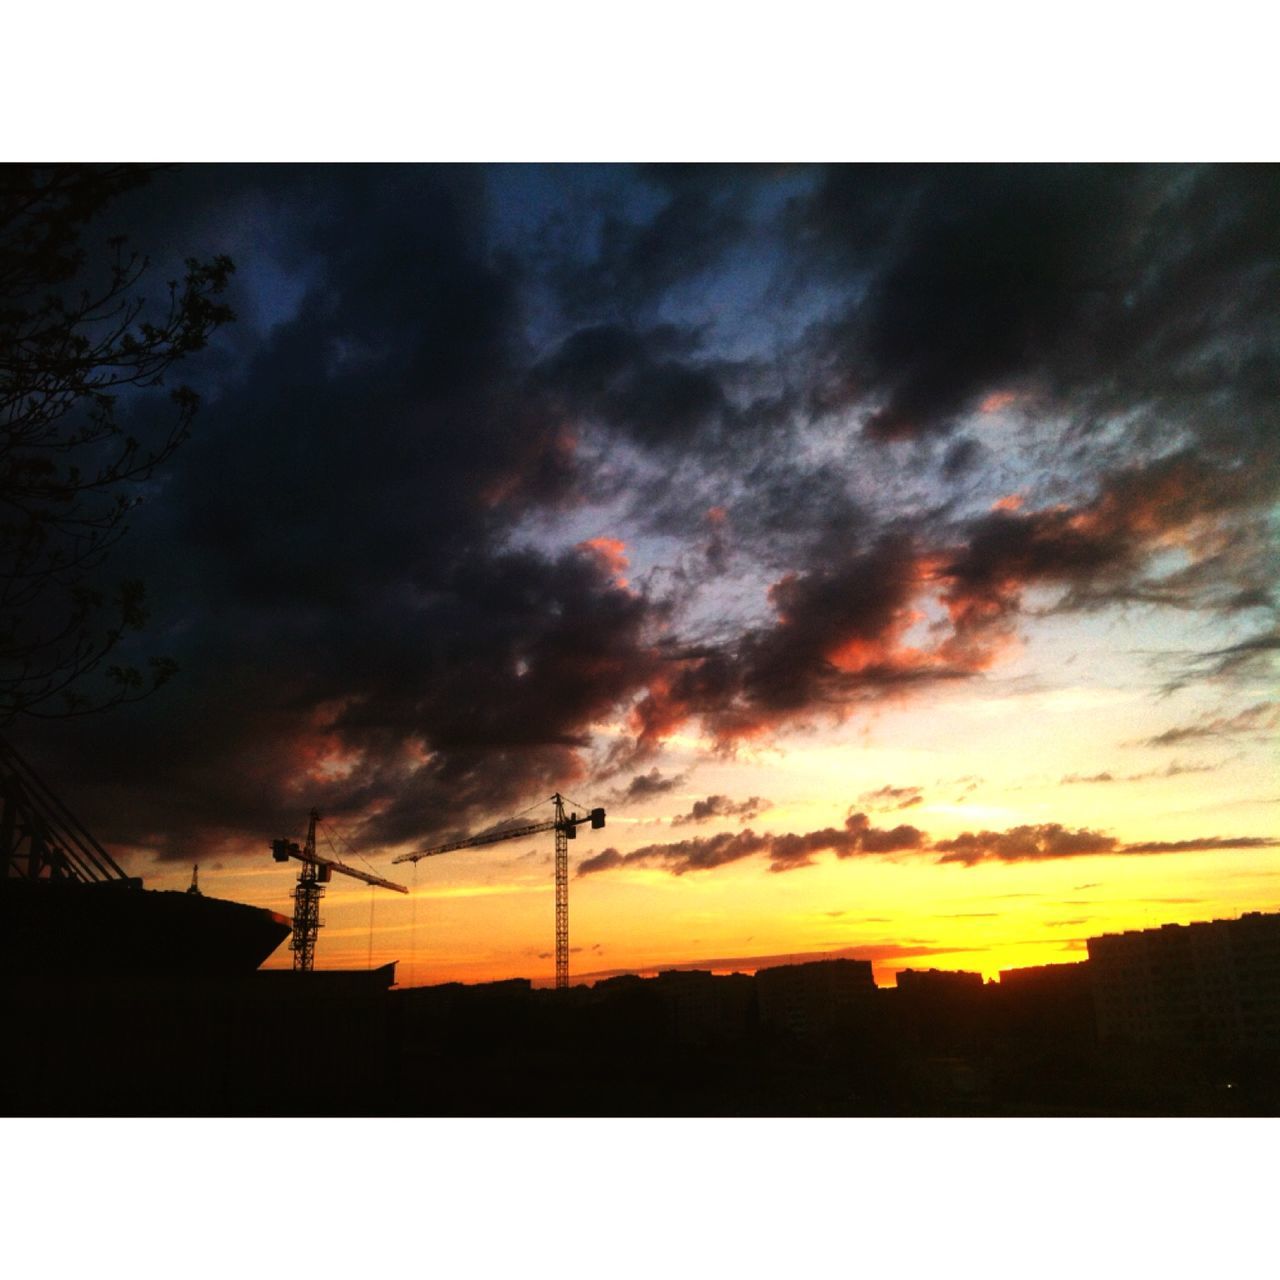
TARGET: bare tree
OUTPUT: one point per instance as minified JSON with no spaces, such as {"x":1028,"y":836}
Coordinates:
{"x":76,"y":333}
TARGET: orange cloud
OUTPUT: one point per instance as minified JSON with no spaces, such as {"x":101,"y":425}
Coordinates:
{"x":612,"y":554}
{"x":998,"y":400}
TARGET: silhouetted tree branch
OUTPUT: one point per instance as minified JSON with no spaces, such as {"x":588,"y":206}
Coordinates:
{"x":74,"y":333}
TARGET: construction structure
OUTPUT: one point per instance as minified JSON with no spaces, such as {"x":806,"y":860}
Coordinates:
{"x":68,"y":909}
{"x":316,"y":872}
{"x":565,"y":826}
{"x":41,"y":839}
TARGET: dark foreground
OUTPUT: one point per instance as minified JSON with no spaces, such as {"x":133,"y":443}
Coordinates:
{"x":276,"y":1044}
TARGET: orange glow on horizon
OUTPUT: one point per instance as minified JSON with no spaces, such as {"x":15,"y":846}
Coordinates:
{"x":983,"y":754}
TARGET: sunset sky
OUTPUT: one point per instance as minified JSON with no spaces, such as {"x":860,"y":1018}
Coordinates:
{"x":890,"y":550}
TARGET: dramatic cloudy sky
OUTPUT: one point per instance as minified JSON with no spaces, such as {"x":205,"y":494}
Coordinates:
{"x":890,"y":550}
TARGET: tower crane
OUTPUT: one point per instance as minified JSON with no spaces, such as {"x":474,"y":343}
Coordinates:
{"x":316,"y":872}
{"x":566,"y":828}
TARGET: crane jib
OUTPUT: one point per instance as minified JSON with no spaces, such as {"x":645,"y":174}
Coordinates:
{"x":565,"y":825}
{"x":595,"y":817}
{"x":283,"y":850}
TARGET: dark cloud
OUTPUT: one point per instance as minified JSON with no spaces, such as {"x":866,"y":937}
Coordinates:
{"x":358,"y":559}
{"x":1093,"y":551}
{"x":1251,"y":656}
{"x":1173,"y":770}
{"x":638,"y":255}
{"x":604,"y":861}
{"x":1088,"y":285}
{"x":856,"y":838}
{"x":331,"y":552}
{"x":649,"y":384}
{"x":1259,"y":718}
{"x":786,"y":852}
{"x":837,"y":635}
{"x":987,"y":282}
{"x":1024,"y":843}
{"x":841,"y":622}
{"x":1202,"y":844}
{"x":888,"y":797}
{"x":699,"y":853}
{"x":1085,"y":293}
{"x":644,"y":786}
{"x":722,"y":807}
{"x":1028,"y":843}
{"x":1049,"y":841}
{"x":962,"y":455}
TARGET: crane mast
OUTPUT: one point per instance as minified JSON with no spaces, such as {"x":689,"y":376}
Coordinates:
{"x":315,"y":872}
{"x":562,"y":893}
{"x":306,"y":904}
{"x":565,"y":825}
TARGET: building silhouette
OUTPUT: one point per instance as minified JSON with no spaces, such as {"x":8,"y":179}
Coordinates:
{"x":1215,"y":981}
{"x":1047,"y":1003}
{"x":816,"y":998}
{"x":937,"y":980}
{"x":701,"y":1007}
{"x":1045,"y":978}
{"x":941,"y":1011}
{"x":1183,"y":1020}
